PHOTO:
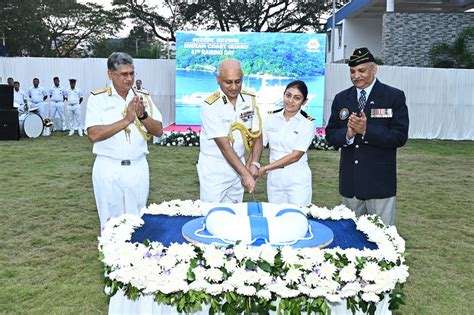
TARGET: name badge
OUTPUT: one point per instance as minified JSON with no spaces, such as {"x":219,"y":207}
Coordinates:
{"x":381,"y":113}
{"x":227,"y":121}
{"x":108,"y":108}
{"x":272,"y":129}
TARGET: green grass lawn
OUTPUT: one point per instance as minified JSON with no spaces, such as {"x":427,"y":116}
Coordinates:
{"x":49,"y":223}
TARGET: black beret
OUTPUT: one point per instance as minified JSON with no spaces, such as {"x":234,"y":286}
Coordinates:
{"x":72,"y":80}
{"x":360,"y":56}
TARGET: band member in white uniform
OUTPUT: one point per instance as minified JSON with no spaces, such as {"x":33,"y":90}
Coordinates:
{"x":73,"y":108}
{"x":38,"y":96}
{"x":289,"y":132}
{"x":56,"y":102}
{"x":230,"y":124}
{"x":119,"y":122}
{"x":19,"y":98}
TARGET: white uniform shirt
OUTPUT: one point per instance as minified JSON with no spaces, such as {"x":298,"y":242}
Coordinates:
{"x":73,"y":96}
{"x":105,"y":109}
{"x":217,"y":118}
{"x":56,"y":93}
{"x":37,"y":94}
{"x":19,"y":97}
{"x":286,"y":136}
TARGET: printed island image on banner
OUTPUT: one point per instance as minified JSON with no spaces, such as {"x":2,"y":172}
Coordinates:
{"x":269,"y":61}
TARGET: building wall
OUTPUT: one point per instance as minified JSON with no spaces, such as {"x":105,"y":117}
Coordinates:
{"x":356,"y":33}
{"x":363,"y":32}
{"x":408,"y":37}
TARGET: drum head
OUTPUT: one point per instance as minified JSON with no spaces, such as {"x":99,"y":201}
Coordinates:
{"x":33,"y":125}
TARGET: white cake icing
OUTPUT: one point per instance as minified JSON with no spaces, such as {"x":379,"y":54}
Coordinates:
{"x":274,"y":224}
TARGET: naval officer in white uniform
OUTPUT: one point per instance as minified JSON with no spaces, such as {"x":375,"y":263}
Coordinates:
{"x":38,"y":96}
{"x":289,"y":132}
{"x":119,"y":123}
{"x":56,"y":102}
{"x":230,"y":124}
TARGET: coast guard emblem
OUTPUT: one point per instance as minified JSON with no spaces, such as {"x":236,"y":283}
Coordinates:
{"x":344,"y":113}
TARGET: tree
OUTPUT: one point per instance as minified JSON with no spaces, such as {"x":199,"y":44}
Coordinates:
{"x":22,"y":28}
{"x":224,"y":15}
{"x":456,"y":55}
{"x":71,"y":27}
{"x":54,"y":27}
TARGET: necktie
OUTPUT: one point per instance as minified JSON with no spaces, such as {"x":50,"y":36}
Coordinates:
{"x":362,"y":100}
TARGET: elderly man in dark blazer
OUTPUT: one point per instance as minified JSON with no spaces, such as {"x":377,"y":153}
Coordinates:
{"x":369,"y":121}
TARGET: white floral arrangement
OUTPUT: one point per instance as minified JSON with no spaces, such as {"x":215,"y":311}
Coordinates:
{"x":319,"y":141}
{"x":189,"y":138}
{"x":237,"y":278}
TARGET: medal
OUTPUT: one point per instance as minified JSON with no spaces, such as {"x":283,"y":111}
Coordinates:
{"x":344,"y":113}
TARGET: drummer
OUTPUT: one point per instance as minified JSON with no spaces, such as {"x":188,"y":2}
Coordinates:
{"x":38,"y":96}
{"x":19,"y":98}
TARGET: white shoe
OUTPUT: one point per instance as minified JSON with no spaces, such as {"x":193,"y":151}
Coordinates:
{"x":71,"y":132}
{"x":79,"y":131}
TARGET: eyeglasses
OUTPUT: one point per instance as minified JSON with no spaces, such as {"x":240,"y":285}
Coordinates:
{"x":126,"y":74}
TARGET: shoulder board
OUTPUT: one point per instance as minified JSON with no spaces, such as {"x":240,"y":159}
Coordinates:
{"x":212,"y":98}
{"x":142,"y":92}
{"x":248,"y":92}
{"x":305,"y":115}
{"x":102,"y":90}
{"x":275,"y":111}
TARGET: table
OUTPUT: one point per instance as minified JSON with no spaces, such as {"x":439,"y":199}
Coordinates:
{"x":167,"y":229}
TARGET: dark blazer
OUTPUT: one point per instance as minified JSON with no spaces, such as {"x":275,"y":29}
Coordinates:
{"x":368,"y":168}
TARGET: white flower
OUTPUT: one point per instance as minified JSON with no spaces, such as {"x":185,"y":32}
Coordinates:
{"x":370,"y":271}
{"x":370,"y":297}
{"x":289,"y":255}
{"x":268,"y":253}
{"x":240,"y":251}
{"x":264,"y":294}
{"x":214,"y":256}
{"x":246,"y":290}
{"x":348,"y":273}
{"x":327,"y":270}
{"x":293,"y":275}
{"x":214,"y":274}
{"x":214,"y":289}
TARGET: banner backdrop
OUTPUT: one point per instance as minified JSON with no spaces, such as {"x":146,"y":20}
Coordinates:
{"x":269,"y":61}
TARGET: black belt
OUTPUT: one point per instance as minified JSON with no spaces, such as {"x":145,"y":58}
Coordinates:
{"x":126,"y":162}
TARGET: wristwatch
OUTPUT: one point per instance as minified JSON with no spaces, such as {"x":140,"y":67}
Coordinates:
{"x":256,"y":164}
{"x":144,"y":116}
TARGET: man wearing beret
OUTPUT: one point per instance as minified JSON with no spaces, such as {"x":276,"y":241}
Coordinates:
{"x":369,"y":121}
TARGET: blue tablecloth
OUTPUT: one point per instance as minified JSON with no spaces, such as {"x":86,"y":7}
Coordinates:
{"x":167,"y":230}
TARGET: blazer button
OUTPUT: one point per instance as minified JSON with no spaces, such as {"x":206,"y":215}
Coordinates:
{"x":356,"y":162}
{"x":357,"y":146}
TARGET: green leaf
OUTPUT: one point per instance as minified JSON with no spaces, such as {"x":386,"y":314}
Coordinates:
{"x":264,"y":265}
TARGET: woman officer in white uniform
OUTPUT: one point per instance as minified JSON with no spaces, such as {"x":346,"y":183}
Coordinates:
{"x":288,"y":133}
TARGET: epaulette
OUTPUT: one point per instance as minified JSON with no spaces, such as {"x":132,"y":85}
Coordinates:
{"x":276,"y":110}
{"x":248,"y":92}
{"x":212,"y":98}
{"x":107,"y":89}
{"x":305,"y":115}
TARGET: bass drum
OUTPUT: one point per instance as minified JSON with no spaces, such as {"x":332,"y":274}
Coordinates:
{"x":31,"y":125}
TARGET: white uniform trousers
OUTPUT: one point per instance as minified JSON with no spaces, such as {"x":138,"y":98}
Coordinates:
{"x":384,"y":208}
{"x":57,"y":111}
{"x":291,"y":184}
{"x":74,"y":115}
{"x":120,"y":186}
{"x":218,"y":181}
